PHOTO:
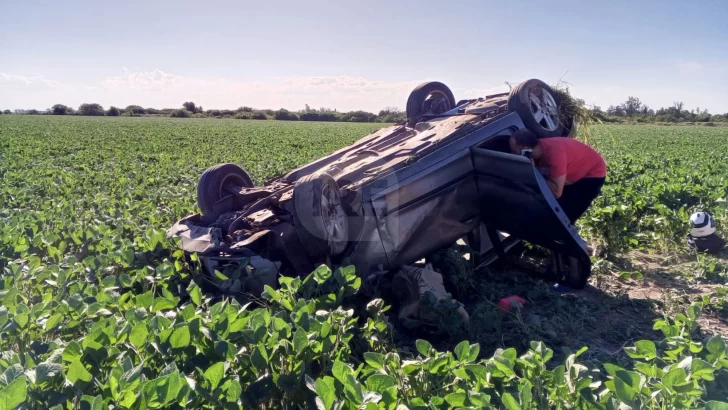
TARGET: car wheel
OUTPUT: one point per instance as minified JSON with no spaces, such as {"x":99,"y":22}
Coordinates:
{"x":433,"y":97}
{"x":318,"y":214}
{"x":538,"y":106}
{"x":217,"y":181}
{"x":571,"y":271}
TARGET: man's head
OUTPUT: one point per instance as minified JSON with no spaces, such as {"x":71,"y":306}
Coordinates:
{"x":522,"y":139}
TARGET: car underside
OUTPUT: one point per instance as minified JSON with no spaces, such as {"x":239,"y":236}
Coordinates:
{"x":393,"y":197}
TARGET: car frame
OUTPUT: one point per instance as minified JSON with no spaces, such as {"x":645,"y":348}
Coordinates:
{"x":394,"y":197}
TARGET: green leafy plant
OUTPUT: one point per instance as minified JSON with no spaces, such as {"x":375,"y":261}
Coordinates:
{"x":99,"y":310}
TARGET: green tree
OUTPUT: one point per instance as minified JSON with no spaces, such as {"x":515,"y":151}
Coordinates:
{"x":134,"y":110}
{"x":285,"y":115}
{"x":92,"y":109}
{"x":180,"y":114}
{"x":113,"y":112}
{"x":632,"y":106}
{"x":191,"y":107}
{"x":59,"y":109}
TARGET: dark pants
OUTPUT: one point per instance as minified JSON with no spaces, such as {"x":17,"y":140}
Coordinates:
{"x":576,"y":198}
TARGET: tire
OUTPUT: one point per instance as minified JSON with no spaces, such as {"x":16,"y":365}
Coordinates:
{"x":572,"y":272}
{"x":521,"y":102}
{"x":215,"y":179}
{"x":418,"y":96}
{"x":321,"y":232}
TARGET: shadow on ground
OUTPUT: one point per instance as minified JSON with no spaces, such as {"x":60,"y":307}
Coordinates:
{"x":590,"y":317}
{"x":606,"y":318}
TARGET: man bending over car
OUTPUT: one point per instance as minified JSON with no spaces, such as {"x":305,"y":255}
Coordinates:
{"x":574,"y":171}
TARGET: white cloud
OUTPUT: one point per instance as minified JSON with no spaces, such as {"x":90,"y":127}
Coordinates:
{"x":10,"y":80}
{"x":161,"y":89}
{"x":158,"y":88}
{"x":154,"y":80}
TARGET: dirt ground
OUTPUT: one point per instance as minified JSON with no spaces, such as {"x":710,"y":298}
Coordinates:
{"x":611,"y":313}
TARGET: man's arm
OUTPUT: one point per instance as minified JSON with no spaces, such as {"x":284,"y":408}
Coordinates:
{"x":557,"y":171}
{"x":556,"y":185}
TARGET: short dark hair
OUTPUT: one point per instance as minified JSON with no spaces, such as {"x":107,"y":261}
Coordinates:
{"x":525,"y":138}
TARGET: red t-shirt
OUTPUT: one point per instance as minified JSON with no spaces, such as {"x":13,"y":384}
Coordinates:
{"x":567,"y":156}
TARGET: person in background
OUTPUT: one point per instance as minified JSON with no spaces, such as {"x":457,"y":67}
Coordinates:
{"x":574,"y":171}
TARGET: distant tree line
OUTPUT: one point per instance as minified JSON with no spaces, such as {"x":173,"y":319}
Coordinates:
{"x":633,"y":110}
{"x":191,"y":110}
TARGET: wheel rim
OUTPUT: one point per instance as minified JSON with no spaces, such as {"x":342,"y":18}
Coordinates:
{"x":544,"y":108}
{"x":227,"y":181}
{"x":439,"y":103}
{"x":332,"y":215}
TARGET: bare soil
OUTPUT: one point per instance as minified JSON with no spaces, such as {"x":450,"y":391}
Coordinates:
{"x":609,"y":314}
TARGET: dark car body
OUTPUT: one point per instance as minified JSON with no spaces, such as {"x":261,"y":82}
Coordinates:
{"x":409,"y":190}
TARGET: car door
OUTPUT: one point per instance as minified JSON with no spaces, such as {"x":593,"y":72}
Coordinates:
{"x":515,"y":198}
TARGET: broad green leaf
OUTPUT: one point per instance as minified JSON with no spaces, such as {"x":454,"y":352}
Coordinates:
{"x":21,"y":320}
{"x":646,"y":369}
{"x":693,"y":311}
{"x":145,"y":300}
{"x":624,"y":391}
{"x":456,"y":399}
{"x":504,"y":365}
{"x":10,"y":374}
{"x":612,"y":369}
{"x":161,"y":304}
{"x":271,"y":294}
{"x":234,"y":391}
{"x":633,"y":379}
{"x":480,"y":400}
{"x":424,"y":347}
{"x":375,"y":360}
{"x":180,"y":337}
{"x":322,"y":274}
{"x":525,"y":392}
{"x":76,"y":371}
{"x":138,"y":335}
{"x":437,"y":364}
{"x":46,"y":371}
{"x":716,"y":346}
{"x":53,"y":321}
{"x":340,"y":371}
{"x":716,"y":405}
{"x":389,"y":398}
{"x":674,"y":377}
{"x":352,"y":390}
{"x":300,"y":340}
{"x":509,"y":402}
{"x":259,"y":358}
{"x":326,"y":392}
{"x":702,"y":370}
{"x":195,"y":294}
{"x":380,"y":382}
{"x":214,"y":374}
{"x":462,"y":351}
{"x":474,"y":352}
{"x":642,"y":349}
{"x":132,"y":376}
{"x":14,"y":394}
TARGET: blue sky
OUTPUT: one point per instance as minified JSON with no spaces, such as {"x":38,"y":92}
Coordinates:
{"x":356,"y":55}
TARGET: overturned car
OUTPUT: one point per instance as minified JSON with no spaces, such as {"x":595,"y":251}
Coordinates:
{"x":393,"y":197}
